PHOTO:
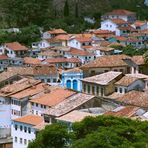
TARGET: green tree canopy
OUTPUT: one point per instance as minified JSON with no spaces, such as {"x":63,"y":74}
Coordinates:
{"x":26,"y":12}
{"x":101,"y":131}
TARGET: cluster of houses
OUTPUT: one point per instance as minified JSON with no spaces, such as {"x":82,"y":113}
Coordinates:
{"x":67,"y":77}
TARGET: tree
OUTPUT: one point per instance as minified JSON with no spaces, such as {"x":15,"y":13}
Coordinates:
{"x":146,"y":57}
{"x":94,"y":132}
{"x":66,"y":9}
{"x":53,"y":136}
{"x":21,"y":13}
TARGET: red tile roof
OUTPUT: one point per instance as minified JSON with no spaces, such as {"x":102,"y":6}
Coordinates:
{"x":127,"y":111}
{"x":126,"y":81}
{"x":32,"y":61}
{"x":63,"y":60}
{"x":118,"y":21}
{"x":139,"y":60}
{"x":120,"y":12}
{"x":57,"y":31}
{"x":54,"y":97}
{"x":107,"y":61}
{"x":3,"y":57}
{"x":135,"y":98}
{"x":62,"y":37}
{"x":16,"y":46}
{"x":78,"y":52}
{"x":30,"y":119}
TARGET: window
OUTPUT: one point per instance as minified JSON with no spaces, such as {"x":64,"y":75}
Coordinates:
{"x":25,"y":141}
{"x":54,"y":80}
{"x":44,"y":106}
{"x":21,"y":140}
{"x":25,"y":129}
{"x":15,"y":139}
{"x":15,"y":127}
{"x":84,"y":87}
{"x":105,"y":70}
{"x":93,"y":90}
{"x":29,"y":130}
{"x":29,"y":141}
{"x":41,"y":106}
{"x":125,"y":90}
{"x":32,"y":111}
{"x":36,"y":112}
{"x":97,"y":90}
{"x":102,"y":91}
{"x":88,"y":88}
{"x":36,"y":104}
{"x":48,"y":80}
{"x":21,"y":128}
{"x":116,"y":89}
{"x":120,"y":90}
{"x":93,"y":72}
{"x":32,"y":103}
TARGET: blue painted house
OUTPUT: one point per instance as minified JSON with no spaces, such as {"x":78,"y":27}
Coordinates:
{"x":71,"y":79}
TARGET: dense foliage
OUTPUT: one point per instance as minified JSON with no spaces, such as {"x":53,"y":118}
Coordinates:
{"x":101,"y":131}
{"x":20,"y":13}
{"x":26,"y":35}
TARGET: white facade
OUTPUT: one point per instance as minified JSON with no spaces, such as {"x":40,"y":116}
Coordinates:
{"x":72,"y":77}
{"x":38,"y":109}
{"x":22,"y":134}
{"x":44,"y":44}
{"x":137,"y":85}
{"x":74,"y":43}
{"x":108,"y":25}
{"x":84,"y":59}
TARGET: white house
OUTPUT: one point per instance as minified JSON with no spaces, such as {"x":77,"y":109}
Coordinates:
{"x":23,"y":130}
{"x":80,"y":42}
{"x":41,"y":103}
{"x":119,"y":26}
{"x":120,"y":14}
{"x":84,"y":56}
{"x":128,"y":83}
{"x":15,"y":49}
{"x":140,"y":25}
{"x":53,"y":33}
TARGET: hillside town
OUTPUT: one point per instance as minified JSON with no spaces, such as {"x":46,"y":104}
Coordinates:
{"x":64,"y":77}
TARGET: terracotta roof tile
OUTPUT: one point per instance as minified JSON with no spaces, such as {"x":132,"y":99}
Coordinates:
{"x":73,"y":70}
{"x":32,"y":61}
{"x":118,"y":21}
{"x":139,"y":60}
{"x":107,"y":61}
{"x":120,"y":12}
{"x":3,"y":57}
{"x":126,"y":81}
{"x":16,"y":46}
{"x":103,"y":79}
{"x":57,"y":31}
{"x":63,"y":60}
{"x":62,"y":37}
{"x":75,"y":116}
{"x":30,"y":119}
{"x":135,"y":98}
{"x":69,"y":104}
{"x":78,"y":52}
{"x":127,"y":111}
{"x":54,"y":97}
